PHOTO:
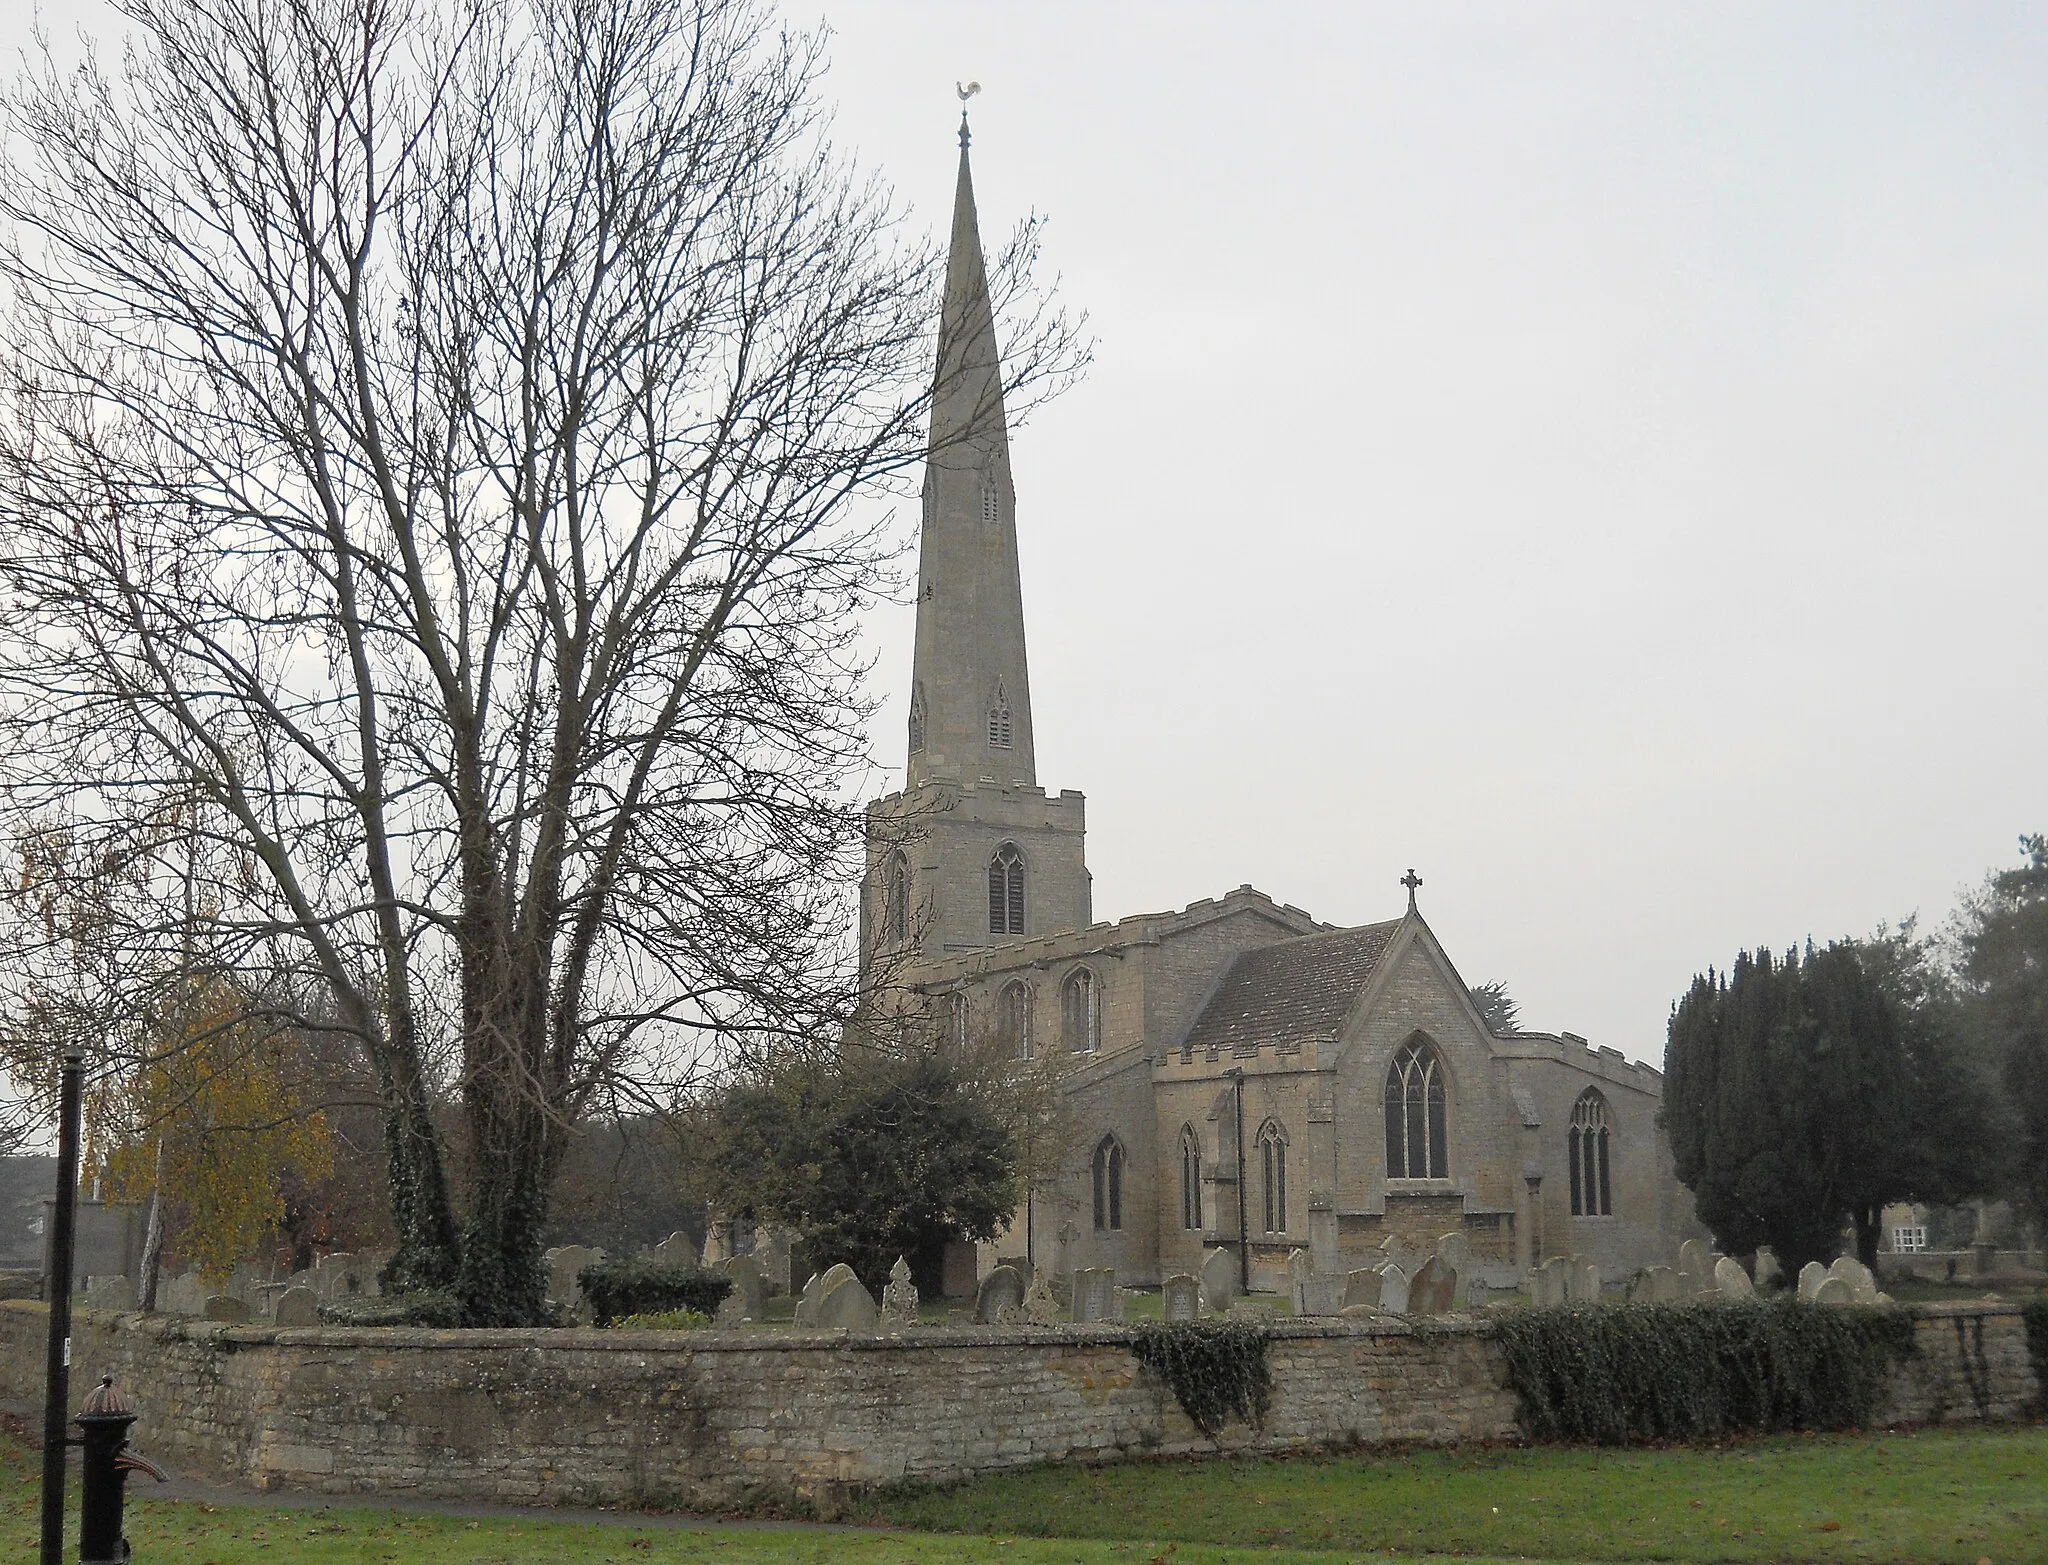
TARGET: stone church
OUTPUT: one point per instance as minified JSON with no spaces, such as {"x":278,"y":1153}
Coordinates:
{"x":1236,"y":1073}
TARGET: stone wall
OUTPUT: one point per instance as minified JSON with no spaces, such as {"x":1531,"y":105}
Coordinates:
{"x":717,"y":1419}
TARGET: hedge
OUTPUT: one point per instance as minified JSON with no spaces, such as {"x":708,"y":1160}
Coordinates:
{"x":648,"y":1287}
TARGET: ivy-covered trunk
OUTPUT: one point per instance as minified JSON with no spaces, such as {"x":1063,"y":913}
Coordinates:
{"x":417,"y":1183}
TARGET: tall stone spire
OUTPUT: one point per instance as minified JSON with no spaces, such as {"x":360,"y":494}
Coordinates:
{"x":970,"y":701}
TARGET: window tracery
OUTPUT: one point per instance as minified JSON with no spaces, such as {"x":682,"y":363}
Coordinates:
{"x":1006,"y":891}
{"x":1109,"y":1185}
{"x":1418,"y":1142}
{"x":1586,"y":1147}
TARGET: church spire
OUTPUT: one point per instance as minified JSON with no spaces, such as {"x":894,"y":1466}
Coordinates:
{"x":970,"y":702}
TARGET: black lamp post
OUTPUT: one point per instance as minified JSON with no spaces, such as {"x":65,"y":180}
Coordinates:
{"x":63,"y":1231}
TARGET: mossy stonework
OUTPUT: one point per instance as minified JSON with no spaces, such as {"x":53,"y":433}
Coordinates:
{"x":714,"y":1418}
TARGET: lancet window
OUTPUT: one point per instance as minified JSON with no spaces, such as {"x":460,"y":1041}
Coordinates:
{"x":1109,"y":1185}
{"x":896,"y":899}
{"x":1418,"y":1143}
{"x":1006,"y":891}
{"x":1190,"y":1178}
{"x":1273,"y":1168}
{"x":1586,"y":1145}
{"x":1013,"y":1020}
{"x":1080,"y":1013}
{"x":1000,"y":727}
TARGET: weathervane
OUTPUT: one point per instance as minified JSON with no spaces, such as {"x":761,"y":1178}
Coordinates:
{"x":965,"y":90}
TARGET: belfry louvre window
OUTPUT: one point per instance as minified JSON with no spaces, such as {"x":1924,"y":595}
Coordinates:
{"x":1273,"y":1166}
{"x":1109,"y":1185}
{"x":1006,"y":891}
{"x":991,"y":497}
{"x":1592,"y":1192}
{"x":1418,"y":1143}
{"x":1190,"y":1178}
{"x":1080,"y":1015}
{"x":1013,"y":1020}
{"x":1000,"y":729}
{"x":917,"y":720}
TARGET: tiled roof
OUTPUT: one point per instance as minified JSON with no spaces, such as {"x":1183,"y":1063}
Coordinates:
{"x":1296,"y":989}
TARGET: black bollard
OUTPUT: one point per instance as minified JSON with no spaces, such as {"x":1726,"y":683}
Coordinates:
{"x":106,"y":1418}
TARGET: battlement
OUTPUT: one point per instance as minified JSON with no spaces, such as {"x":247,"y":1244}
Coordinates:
{"x":1604,"y":1061}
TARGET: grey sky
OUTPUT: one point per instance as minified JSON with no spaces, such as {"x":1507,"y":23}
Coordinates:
{"x":1591,"y":453}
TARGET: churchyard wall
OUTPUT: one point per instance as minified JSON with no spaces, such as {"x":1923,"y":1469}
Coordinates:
{"x":719,"y":1419}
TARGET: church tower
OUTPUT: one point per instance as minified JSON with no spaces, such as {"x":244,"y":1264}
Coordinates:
{"x":972,"y":852}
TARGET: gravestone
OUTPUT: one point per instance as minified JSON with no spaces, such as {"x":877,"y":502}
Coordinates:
{"x":1550,"y":1284}
{"x":1219,"y":1280}
{"x":899,"y":1298}
{"x":109,"y":1293}
{"x":1320,"y":1293}
{"x":1695,"y":1269}
{"x":1455,"y":1249}
{"x":1654,"y":1285}
{"x":1583,"y":1286}
{"x":235,"y":1312}
{"x":1833,"y":1290}
{"x":1408,"y":1254}
{"x":1434,"y":1289}
{"x":1180,"y":1298}
{"x":1001,"y":1289}
{"x":343,"y":1276}
{"x":771,"y":1254}
{"x":1811,"y":1276}
{"x":717,"y":1243}
{"x":1298,"y":1267}
{"x":563,"y":1263}
{"x":749,"y":1296}
{"x":184,"y":1294}
{"x":1040,"y":1307}
{"x":1767,"y":1268}
{"x":677,"y":1249}
{"x":1095,"y":1294}
{"x":1393,"y":1289}
{"x":846,"y":1305}
{"x":816,"y":1289}
{"x":297,"y":1307}
{"x":1731,"y":1281}
{"x":20,"y":1282}
{"x":1862,"y":1285}
{"x":1362,"y":1287}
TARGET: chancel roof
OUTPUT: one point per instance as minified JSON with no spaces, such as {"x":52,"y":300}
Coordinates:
{"x":1296,"y":989}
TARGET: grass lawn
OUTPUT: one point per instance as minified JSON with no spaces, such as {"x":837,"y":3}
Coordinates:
{"x":1927,"y":1497}
{"x":1934,"y":1496}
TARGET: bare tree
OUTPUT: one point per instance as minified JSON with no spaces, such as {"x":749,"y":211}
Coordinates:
{"x":440,"y":453}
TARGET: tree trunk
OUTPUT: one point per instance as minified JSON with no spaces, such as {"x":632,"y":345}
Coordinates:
{"x":427,"y":1256}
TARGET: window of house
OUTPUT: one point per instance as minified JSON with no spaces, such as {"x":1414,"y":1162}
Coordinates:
{"x":1006,"y":891}
{"x":896,"y":898}
{"x":1013,"y":1020}
{"x":1273,"y":1171}
{"x":1080,"y":1014}
{"x":1418,"y":1143}
{"x":1109,"y":1185}
{"x":999,"y":726}
{"x":1914,"y":1238}
{"x":1586,"y":1146}
{"x":1190,"y":1178}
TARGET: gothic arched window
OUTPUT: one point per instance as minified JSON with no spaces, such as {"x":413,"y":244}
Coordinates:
{"x":917,"y":719}
{"x":1273,"y":1167}
{"x":1006,"y":891}
{"x":1592,"y":1192}
{"x":999,"y":724}
{"x":1418,"y":1143}
{"x":1109,"y":1185}
{"x":1190,"y":1178}
{"x":1013,"y":1020}
{"x":896,"y":898}
{"x":1080,"y":1013}
{"x":956,"y":1019}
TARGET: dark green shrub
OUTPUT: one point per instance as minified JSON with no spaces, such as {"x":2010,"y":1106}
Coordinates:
{"x":641,"y":1286}
{"x":436,"y":1307}
{"x":1616,"y":1374}
{"x":1214,"y":1368}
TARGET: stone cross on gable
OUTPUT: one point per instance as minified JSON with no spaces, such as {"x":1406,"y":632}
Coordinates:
{"x":1411,"y":880}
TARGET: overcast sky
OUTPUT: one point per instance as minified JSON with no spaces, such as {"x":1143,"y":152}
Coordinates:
{"x":1589,"y":453}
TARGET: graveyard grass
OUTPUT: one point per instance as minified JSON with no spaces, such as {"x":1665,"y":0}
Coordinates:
{"x":1931,"y":1496}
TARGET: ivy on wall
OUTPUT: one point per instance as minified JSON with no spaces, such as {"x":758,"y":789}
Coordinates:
{"x":1214,"y":1368}
{"x":1617,"y":1374}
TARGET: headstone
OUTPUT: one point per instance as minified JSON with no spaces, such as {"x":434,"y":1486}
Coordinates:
{"x":1767,"y":1268}
{"x":1434,"y":1289}
{"x":1584,"y":1287}
{"x":846,"y":1305}
{"x":1407,"y":1254}
{"x":1862,"y":1285}
{"x":1811,"y":1276}
{"x":1550,"y":1284}
{"x":816,"y":1289}
{"x":1360,"y":1311}
{"x":1833,"y":1290}
{"x":564,"y":1262}
{"x":771,"y":1254}
{"x":899,"y":1298}
{"x":1298,"y":1267}
{"x":109,"y":1293}
{"x":1321,"y":1293}
{"x":1654,"y":1285}
{"x":1094,"y":1296}
{"x":1001,"y":1289}
{"x":717,"y":1243}
{"x":184,"y":1294}
{"x":749,"y":1297}
{"x":1362,"y":1287}
{"x":677,"y":1249}
{"x":1455,"y":1249}
{"x":1040,"y":1307}
{"x":234,"y":1312}
{"x":1695,"y":1269}
{"x":297,"y":1307}
{"x":1219,"y":1280}
{"x":1180,"y":1297}
{"x":343,"y":1275}
{"x":20,"y":1282}
{"x":1731,"y":1281}
{"x":1393,"y":1289}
